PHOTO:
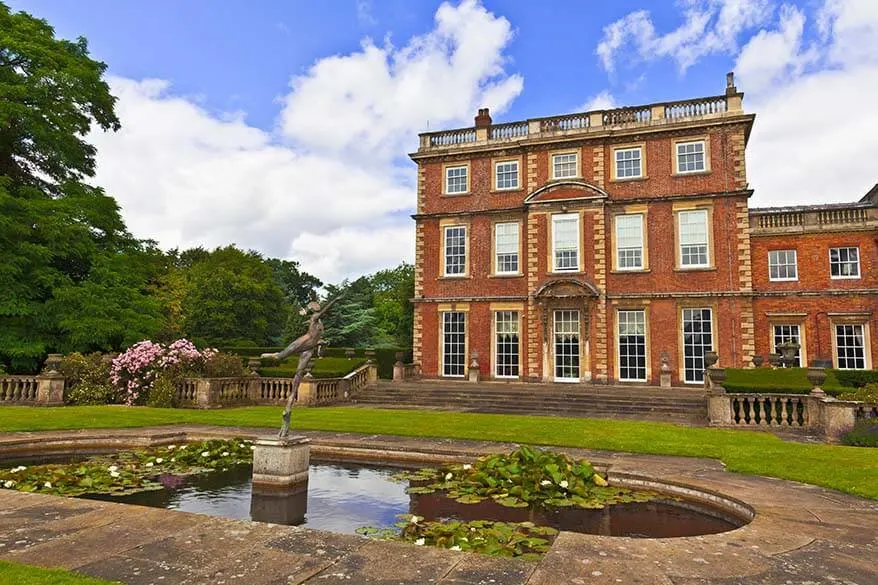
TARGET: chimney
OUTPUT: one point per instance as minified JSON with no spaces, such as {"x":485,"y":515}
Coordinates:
{"x":483,"y":120}
{"x":730,"y":83}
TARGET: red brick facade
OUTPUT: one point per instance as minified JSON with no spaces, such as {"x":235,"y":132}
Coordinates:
{"x":568,"y":309}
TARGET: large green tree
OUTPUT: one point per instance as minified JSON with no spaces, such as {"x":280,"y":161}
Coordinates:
{"x":65,"y":254}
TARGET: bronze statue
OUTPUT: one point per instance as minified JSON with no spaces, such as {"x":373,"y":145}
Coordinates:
{"x":305,"y":346}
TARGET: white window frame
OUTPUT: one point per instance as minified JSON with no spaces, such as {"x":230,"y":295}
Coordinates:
{"x":563,"y":321}
{"x":624,"y":317}
{"x":456,"y":343}
{"x":512,"y":319}
{"x":555,"y":164}
{"x":785,"y":336}
{"x":445,"y":251}
{"x":617,"y":152}
{"x":706,"y":243}
{"x":556,"y":219}
{"x":502,"y":163}
{"x":841,"y":263}
{"x":786,"y":264}
{"x":448,"y":178}
{"x":703,"y":154}
{"x":704,"y":347}
{"x":516,"y":252}
{"x":620,"y":249}
{"x":864,"y":335}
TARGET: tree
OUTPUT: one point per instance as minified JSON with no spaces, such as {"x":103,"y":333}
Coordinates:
{"x":393,"y":290}
{"x":63,"y":245}
{"x":353,"y":321}
{"x":232,"y":297}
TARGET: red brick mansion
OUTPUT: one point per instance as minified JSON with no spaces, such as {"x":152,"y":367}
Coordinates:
{"x":602,"y":246}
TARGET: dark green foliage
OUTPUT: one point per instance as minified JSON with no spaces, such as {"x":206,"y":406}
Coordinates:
{"x":163,"y":393}
{"x":87,"y":379}
{"x":392,"y":291}
{"x":250,"y":351}
{"x":385,"y":357}
{"x":778,"y":381}
{"x":868,"y":393}
{"x":863,"y":434}
{"x":856,"y":378}
{"x":232,"y":295}
{"x":325,"y":367}
{"x":224,"y":365}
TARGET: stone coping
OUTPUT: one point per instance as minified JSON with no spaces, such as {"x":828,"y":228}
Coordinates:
{"x":800,"y":533}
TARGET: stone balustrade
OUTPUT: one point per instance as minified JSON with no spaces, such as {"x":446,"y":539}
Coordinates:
{"x":792,"y":411}
{"x":43,"y":390}
{"x":403,"y":372}
{"x":586,"y":122}
{"x":813,"y":218}
{"x":217,"y":392}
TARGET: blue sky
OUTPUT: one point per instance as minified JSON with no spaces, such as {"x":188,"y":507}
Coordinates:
{"x":284,"y":126}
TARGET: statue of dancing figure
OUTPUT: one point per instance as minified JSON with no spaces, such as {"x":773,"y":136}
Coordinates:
{"x":305,"y":346}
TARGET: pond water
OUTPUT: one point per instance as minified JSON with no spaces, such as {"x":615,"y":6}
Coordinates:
{"x":342,"y":498}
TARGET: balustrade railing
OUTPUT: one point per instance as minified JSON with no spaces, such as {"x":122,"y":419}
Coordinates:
{"x":234,"y":391}
{"x":18,"y":389}
{"x":627,"y":116}
{"x":781,"y":220}
{"x":274,"y":390}
{"x":453,"y":137}
{"x":837,"y":216}
{"x":770,"y":410}
{"x":565,"y":123}
{"x":695,"y":108}
{"x":187,"y":392}
{"x":508,"y":131}
{"x":866,"y":410}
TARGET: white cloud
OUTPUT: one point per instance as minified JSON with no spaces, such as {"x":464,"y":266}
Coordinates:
{"x":816,"y":132}
{"x":709,"y":27}
{"x":601,"y":101}
{"x":330,"y":188}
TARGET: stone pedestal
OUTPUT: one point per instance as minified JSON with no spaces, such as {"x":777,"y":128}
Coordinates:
{"x":280,"y":463}
{"x":719,"y":409}
{"x":838,"y":417}
{"x":665,"y":380}
{"x":50,"y":389}
{"x":280,"y":505}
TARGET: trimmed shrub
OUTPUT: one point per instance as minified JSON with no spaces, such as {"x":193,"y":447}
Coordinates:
{"x":224,"y":365}
{"x":777,"y":381}
{"x":856,"y":378}
{"x":163,"y":393}
{"x":868,"y":393}
{"x":324,"y":367}
{"x":87,"y":379}
{"x":384,"y":357}
{"x":250,"y":351}
{"x":863,"y":434}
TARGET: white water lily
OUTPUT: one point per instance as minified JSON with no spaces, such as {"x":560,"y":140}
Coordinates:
{"x":48,"y":484}
{"x":149,"y":463}
{"x":205,"y":453}
{"x":564,"y":484}
{"x":114,"y":474}
{"x":112,"y":468}
{"x":225,"y":453}
{"x":420,"y":542}
{"x":545,"y":482}
{"x":448,"y":476}
{"x":455,"y":547}
{"x":17,"y":469}
{"x":159,"y":460}
{"x":173,"y":459}
{"x":252,"y":447}
{"x":467,"y":466}
{"x":171,"y":447}
{"x":415,"y":519}
{"x":8,"y":484}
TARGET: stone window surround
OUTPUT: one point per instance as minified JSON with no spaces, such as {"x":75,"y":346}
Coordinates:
{"x":455,"y":222}
{"x":518,"y":308}
{"x":643,"y":211}
{"x":798,"y":319}
{"x":695,"y":205}
{"x":614,"y":178}
{"x":578,"y":166}
{"x":851,"y":319}
{"x":550,"y":228}
{"x":449,"y":308}
{"x":455,"y":165}
{"x":494,"y":248}
{"x":616,"y":349}
{"x":675,"y":159}
{"x":506,"y":159}
{"x":681,"y":359}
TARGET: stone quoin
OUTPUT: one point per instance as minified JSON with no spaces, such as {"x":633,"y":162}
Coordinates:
{"x":587,"y":247}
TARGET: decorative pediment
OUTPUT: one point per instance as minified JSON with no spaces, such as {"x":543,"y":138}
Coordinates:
{"x":565,"y":190}
{"x":565,"y":288}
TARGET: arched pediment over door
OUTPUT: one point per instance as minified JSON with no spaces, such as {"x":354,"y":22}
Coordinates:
{"x":565,"y":190}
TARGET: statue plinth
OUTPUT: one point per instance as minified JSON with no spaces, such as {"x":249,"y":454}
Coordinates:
{"x":280,"y":462}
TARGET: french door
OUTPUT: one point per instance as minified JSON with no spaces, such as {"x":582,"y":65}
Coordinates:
{"x":454,"y":344}
{"x":566,"y":339}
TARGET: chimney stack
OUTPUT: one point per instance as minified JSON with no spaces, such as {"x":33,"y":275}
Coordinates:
{"x":730,"y":83}
{"x":483,"y":120}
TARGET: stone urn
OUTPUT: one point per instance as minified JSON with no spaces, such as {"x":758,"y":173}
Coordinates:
{"x":710,"y":358}
{"x":758,"y":361}
{"x":816,"y":376}
{"x":350,"y":353}
{"x":774,"y":359}
{"x":788,"y":352}
{"x":717,"y":377}
{"x":53,"y":362}
{"x":399,"y":356}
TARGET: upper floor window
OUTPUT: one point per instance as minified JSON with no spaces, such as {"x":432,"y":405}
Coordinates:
{"x":629,"y":242}
{"x":693,"y":238}
{"x":690,"y":157}
{"x":565,"y":242}
{"x":628,"y":163}
{"x":506,"y":175}
{"x":456,"y":179}
{"x":564,"y":165}
{"x":506,"y":247}
{"x":844,"y":262}
{"x":782,"y":265}
{"x":455,"y":250}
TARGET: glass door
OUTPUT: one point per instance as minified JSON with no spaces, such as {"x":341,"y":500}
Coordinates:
{"x":566,"y":346}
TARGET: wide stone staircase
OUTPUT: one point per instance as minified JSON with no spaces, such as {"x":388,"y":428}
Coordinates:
{"x":681,"y":405}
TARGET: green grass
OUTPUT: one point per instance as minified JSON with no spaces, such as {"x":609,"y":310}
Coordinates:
{"x":849,"y":469}
{"x":781,"y":380}
{"x":24,"y":575}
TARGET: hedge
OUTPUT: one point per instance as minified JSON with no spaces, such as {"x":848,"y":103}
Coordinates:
{"x":324,"y":367}
{"x":780,"y":381}
{"x":856,"y":378}
{"x":384,"y":357}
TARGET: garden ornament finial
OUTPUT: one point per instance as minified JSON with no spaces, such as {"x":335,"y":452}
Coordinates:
{"x":305,"y":346}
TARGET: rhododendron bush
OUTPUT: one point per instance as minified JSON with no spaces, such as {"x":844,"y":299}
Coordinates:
{"x":135,"y":372}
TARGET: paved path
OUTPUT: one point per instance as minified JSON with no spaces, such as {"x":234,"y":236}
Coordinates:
{"x":801,"y":534}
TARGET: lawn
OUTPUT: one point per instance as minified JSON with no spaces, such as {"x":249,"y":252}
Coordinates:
{"x":24,"y":575}
{"x":849,"y":469}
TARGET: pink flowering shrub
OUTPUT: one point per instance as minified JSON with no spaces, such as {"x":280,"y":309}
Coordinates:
{"x":134,"y":372}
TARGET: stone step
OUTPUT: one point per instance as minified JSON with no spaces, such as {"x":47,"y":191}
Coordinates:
{"x":532,"y":399}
